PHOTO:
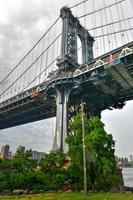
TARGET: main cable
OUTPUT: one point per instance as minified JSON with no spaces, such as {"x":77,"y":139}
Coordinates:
{"x":109,"y":24}
{"x":114,"y":32}
{"x":39,"y":75}
{"x":101,"y":9}
{"x":29,"y":51}
{"x":78,"y":4}
{"x":31,"y":65}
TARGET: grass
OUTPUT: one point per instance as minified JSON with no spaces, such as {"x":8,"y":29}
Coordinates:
{"x":71,"y":196}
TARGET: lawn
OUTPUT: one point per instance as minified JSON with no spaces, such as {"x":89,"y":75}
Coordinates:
{"x":71,"y":196}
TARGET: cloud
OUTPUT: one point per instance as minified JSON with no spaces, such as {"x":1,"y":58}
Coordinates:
{"x":119,"y":124}
{"x":21,"y":27}
{"x":37,"y":135}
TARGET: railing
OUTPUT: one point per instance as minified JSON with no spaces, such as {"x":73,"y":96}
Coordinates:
{"x":55,"y":75}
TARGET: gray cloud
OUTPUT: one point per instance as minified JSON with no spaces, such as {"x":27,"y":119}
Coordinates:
{"x":37,"y":135}
{"x":119,"y":124}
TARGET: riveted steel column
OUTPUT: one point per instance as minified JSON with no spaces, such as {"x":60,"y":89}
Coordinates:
{"x":64,"y":42}
{"x":61,"y":121}
{"x":87,"y":46}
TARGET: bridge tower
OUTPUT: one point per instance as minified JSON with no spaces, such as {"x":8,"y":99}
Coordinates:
{"x":67,"y":63}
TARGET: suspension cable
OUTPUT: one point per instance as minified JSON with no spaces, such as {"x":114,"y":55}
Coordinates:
{"x":31,"y":64}
{"x":78,"y":4}
{"x":101,"y":9}
{"x":94,"y":25}
{"x":102,"y":40}
{"x":121,"y":9}
{"x":106,"y":21}
{"x":47,"y":54}
{"x":84,"y":12}
{"x":41,"y":63}
{"x":114,"y":32}
{"x":29,"y":51}
{"x":130,"y":22}
{"x":109,"y":24}
{"x":114,"y":40}
{"x":40,"y":74}
{"x":120,"y":24}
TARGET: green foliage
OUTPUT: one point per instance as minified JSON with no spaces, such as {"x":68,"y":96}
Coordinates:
{"x":17,"y":172}
{"x":74,"y":141}
{"x":5,"y":165}
{"x":52,"y":166}
{"x":100,"y":152}
{"x":22,"y":173}
{"x":3,"y":181}
{"x":108,"y":182}
{"x":101,"y":145}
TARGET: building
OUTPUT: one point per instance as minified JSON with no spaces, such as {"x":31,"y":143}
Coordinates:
{"x":37,"y":155}
{"x":20,"y":149}
{"x":131,"y":159}
{"x":5,"y":151}
{"x":10,"y":155}
{"x":122,"y":162}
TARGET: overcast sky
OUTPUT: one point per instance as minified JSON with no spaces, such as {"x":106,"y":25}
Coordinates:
{"x":22,"y":23}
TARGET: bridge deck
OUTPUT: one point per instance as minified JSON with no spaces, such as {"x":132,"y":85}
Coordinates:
{"x":104,"y":83}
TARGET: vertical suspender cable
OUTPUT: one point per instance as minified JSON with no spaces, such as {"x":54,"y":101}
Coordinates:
{"x":53,"y":46}
{"x":32,"y":59}
{"x":102,"y":41}
{"x":13,"y":89}
{"x":84,"y":13}
{"x":29,"y":52}
{"x":35,"y":65}
{"x":21,"y":79}
{"x":18,"y":82}
{"x":124,"y":21}
{"x":120,"y":24}
{"x":76,"y":8}
{"x":115,"y":39}
{"x":106,"y":21}
{"x":94,"y":24}
{"x":47,"y":54}
{"x":131,"y":2}
{"x":26,"y":74}
{"x":31,"y":66}
{"x":129,"y":21}
{"x":41,"y":60}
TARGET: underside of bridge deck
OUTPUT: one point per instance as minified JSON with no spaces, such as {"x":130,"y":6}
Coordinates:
{"x":105,"y":87}
{"x":26,"y":111}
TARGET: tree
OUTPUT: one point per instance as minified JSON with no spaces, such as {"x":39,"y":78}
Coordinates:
{"x":76,"y":152}
{"x":99,"y":148}
{"x":21,"y":172}
{"x":52,"y":166}
{"x":18,"y":172}
{"x":21,"y":162}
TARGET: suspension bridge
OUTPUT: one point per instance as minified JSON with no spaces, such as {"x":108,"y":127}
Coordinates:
{"x":85,"y":55}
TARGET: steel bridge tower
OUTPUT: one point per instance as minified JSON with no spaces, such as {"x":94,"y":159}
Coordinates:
{"x":67,"y":63}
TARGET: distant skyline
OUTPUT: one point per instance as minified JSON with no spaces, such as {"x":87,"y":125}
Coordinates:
{"x":22,"y":23}
{"x":39,"y":135}
{"x":17,"y":149}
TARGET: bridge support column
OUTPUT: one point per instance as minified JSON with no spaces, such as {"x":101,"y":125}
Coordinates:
{"x":61,"y":120}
